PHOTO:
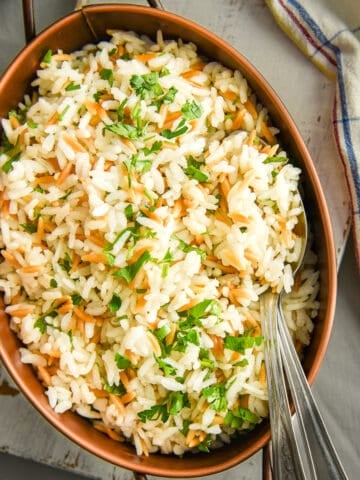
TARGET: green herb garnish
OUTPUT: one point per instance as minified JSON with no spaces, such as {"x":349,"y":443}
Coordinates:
{"x":216,"y":396}
{"x":179,"y":130}
{"x":120,"y":110}
{"x":66,"y":263}
{"x":76,"y":299}
{"x":32,"y":124}
{"x":193,"y":170}
{"x":29,"y":227}
{"x":72,"y":86}
{"x":241,"y":343}
{"x":237,"y":418}
{"x":169,"y":97}
{"x":129,"y":273}
{"x":242,"y":363}
{"x":41,"y":322}
{"x":47,"y":57}
{"x":8,"y":165}
{"x":275,"y":160}
{"x":165,"y":366}
{"x":63,"y":113}
{"x":124,"y":130}
{"x":191,"y":110}
{"x":164,"y":71}
{"x":146,"y":86}
{"x":114,"y":389}
{"x":122,"y":362}
{"x":186,"y":248}
{"x":172,"y":405}
{"x":129,"y":212}
{"x":107,"y":74}
{"x":155,"y":147}
{"x":115,"y":303}
{"x":205,"y":445}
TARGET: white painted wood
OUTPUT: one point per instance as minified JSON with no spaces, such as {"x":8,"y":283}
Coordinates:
{"x":250,"y":28}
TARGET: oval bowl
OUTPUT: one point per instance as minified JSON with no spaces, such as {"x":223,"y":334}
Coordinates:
{"x":89,"y":25}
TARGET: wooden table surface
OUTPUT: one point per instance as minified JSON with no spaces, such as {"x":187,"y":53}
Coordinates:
{"x":308,"y":95}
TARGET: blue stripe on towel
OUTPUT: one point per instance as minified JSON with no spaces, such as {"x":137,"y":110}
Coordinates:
{"x":346,"y":119}
{"x":346,"y":125}
{"x":329,"y":41}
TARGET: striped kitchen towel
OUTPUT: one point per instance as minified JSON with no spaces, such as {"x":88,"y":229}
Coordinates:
{"x":328,"y":32}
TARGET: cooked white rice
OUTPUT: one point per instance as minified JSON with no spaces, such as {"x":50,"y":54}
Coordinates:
{"x":145,"y":207}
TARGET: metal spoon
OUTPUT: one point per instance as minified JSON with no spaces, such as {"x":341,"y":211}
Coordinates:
{"x":286,"y":461}
{"x":293,"y":451}
{"x":320,"y":457}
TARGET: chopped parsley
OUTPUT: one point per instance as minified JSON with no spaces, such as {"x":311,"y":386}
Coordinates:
{"x":186,"y":248}
{"x":32,"y":124}
{"x":242,"y":363}
{"x":66,"y":263}
{"x":216,"y":396}
{"x":120,"y":110}
{"x":110,"y":258}
{"x":191,"y":110}
{"x":205,"y":445}
{"x":205,"y":360}
{"x":53,"y":283}
{"x":72,"y":86}
{"x":172,"y":405}
{"x":8,"y":165}
{"x":98,"y":95}
{"x":29,"y":227}
{"x":110,"y":246}
{"x":155,"y":147}
{"x":275,"y":160}
{"x":193,"y":170}
{"x":126,"y":57}
{"x":47,"y":57}
{"x":125,"y":130}
{"x":114,"y":389}
{"x":161,"y":334}
{"x":241,"y":343}
{"x":168,"y":97}
{"x":107,"y":74}
{"x":112,"y":52}
{"x":115,"y":303}
{"x":129,"y":273}
{"x":63,"y":113}
{"x":206,"y":307}
{"x":164,"y":71}
{"x":179,"y":130}
{"x":236,"y":419}
{"x":76,"y":299}
{"x":183,"y":338}
{"x":140,"y":165}
{"x":121,"y":361}
{"x":146,"y":86}
{"x":41,"y":322}
{"x":165,"y":366}
{"x":129,"y":212}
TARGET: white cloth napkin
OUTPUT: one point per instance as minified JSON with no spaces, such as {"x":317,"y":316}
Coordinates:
{"x":328,"y":33}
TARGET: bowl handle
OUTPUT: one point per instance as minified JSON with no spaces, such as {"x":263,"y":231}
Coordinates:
{"x":29,"y":20}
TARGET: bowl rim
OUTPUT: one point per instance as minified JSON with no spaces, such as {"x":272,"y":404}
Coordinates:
{"x":13,"y":366}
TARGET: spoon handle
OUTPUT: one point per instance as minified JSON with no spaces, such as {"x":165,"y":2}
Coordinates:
{"x":285,"y":459}
{"x":324,"y":457}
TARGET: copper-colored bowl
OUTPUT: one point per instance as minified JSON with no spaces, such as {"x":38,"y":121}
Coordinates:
{"x":90,"y":25}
